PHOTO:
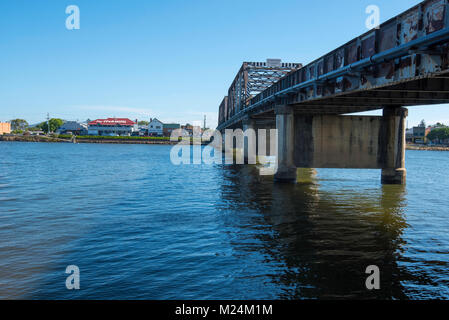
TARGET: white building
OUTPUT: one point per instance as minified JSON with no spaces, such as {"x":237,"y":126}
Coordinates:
{"x":155,"y":127}
{"x":112,"y":127}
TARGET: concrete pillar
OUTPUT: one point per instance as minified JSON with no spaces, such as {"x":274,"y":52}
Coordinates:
{"x":223,"y":140}
{"x":393,"y":149}
{"x":250,"y":140}
{"x":285,"y":122}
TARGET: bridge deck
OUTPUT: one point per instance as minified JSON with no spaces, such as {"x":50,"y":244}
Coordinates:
{"x":403,"y":63}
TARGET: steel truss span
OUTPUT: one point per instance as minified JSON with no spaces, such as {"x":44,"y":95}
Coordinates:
{"x":404,"y":62}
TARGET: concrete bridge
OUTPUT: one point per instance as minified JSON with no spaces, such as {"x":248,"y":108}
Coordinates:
{"x":405,"y":62}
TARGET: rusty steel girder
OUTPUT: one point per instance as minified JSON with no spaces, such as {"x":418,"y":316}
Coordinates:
{"x":252,"y":79}
{"x":385,"y":66}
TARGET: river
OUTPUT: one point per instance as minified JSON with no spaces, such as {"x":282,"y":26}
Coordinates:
{"x":139,"y":227}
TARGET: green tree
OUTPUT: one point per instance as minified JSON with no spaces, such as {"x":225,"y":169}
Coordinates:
{"x":19,"y":124}
{"x":422,"y":124}
{"x":143,"y":123}
{"x":55,"y":124}
{"x":437,"y":135}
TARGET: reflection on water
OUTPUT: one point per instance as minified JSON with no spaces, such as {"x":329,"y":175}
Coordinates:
{"x":141,"y":228}
{"x":323,"y":240}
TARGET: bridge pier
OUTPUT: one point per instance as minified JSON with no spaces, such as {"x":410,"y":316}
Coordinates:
{"x":285,"y":124}
{"x":250,"y":140}
{"x":335,"y":141}
{"x":392,"y":145}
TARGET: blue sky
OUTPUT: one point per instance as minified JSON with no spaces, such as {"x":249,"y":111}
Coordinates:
{"x":173,"y":60}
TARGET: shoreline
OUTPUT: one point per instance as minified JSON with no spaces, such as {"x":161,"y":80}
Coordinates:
{"x":94,"y":141}
{"x":426,"y":148}
{"x":154,"y":141}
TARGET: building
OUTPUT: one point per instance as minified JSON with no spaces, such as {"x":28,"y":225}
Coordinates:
{"x":169,"y":127}
{"x":155,"y":128}
{"x":73,"y":127}
{"x":417,"y":134}
{"x":5,"y":128}
{"x":191,"y":130}
{"x":112,"y":127}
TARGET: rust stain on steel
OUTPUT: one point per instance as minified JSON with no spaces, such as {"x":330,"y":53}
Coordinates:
{"x":329,"y":63}
{"x":312,"y":72}
{"x":369,"y":46}
{"x":342,"y":84}
{"x":353,"y":51}
{"x":386,"y":70}
{"x":434,"y":16}
{"x":363,"y":80}
{"x":320,"y":68}
{"x":410,"y":26}
{"x":339,"y":58}
{"x":387,"y":37}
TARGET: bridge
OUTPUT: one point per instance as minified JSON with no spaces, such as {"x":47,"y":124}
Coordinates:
{"x":404,"y":62}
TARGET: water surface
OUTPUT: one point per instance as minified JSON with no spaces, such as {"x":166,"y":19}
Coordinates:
{"x":139,"y":227}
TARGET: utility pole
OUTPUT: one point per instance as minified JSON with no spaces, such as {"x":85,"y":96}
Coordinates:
{"x":204,"y":128}
{"x":48,"y":123}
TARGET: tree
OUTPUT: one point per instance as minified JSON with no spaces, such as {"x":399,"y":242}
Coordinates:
{"x":19,"y":124}
{"x":422,"y":124}
{"x":55,"y":124}
{"x":438,"y":134}
{"x":143,"y":123}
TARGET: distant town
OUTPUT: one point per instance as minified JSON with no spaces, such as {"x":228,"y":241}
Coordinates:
{"x":436,"y":134}
{"x":107,"y":127}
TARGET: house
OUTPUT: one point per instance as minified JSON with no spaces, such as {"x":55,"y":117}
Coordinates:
{"x":74,"y":127}
{"x":155,"y":128}
{"x":112,"y":127}
{"x":191,"y":130}
{"x":419,"y":134}
{"x":169,"y":127}
{"x":5,"y":128}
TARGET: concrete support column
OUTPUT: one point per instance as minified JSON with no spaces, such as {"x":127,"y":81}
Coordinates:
{"x":285,"y":123}
{"x":223,"y":140}
{"x":250,"y":140}
{"x":393,"y":149}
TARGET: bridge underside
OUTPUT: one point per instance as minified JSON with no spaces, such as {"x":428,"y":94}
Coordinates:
{"x":317,"y":140}
{"x":425,"y":91}
{"x":318,"y":134}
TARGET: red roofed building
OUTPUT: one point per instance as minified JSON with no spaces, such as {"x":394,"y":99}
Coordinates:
{"x":112,"y":127}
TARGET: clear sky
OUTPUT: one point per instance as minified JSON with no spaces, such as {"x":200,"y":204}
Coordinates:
{"x":172,"y":59}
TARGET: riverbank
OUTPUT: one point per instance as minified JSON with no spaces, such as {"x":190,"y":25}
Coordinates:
{"x":426,"y":148}
{"x":108,"y":140}
{"x":146,"y":140}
